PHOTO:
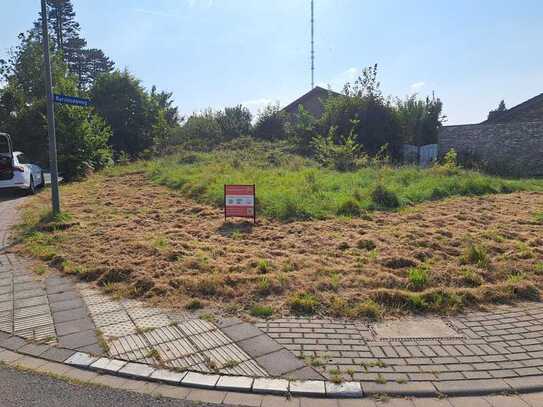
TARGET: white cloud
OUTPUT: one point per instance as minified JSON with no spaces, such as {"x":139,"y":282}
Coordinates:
{"x":416,"y":87}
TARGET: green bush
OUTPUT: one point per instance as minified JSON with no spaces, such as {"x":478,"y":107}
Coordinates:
{"x":384,"y":198}
{"x":295,"y":188}
{"x":349,"y":208}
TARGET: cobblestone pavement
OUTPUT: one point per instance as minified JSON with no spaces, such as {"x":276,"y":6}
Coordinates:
{"x":505,"y":343}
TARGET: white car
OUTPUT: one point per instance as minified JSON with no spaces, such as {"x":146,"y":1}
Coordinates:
{"x":16,"y":172}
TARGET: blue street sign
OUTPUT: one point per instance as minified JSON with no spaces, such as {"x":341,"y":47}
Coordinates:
{"x":71,"y":100}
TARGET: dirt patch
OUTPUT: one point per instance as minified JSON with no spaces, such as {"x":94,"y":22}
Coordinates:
{"x":139,"y":239}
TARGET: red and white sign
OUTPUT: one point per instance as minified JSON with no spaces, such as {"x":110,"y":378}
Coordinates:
{"x":239,"y":201}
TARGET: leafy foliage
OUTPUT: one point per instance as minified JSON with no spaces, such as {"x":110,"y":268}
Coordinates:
{"x":270,"y":124}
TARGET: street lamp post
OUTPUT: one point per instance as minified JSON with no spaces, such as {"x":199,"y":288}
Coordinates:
{"x":53,"y":167}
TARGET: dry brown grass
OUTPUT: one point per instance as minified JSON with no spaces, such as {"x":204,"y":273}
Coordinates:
{"x":142,"y":240}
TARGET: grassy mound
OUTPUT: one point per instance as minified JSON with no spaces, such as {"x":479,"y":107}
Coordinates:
{"x":290,"y":187}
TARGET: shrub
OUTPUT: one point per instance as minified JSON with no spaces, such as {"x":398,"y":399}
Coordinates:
{"x":304,"y":303}
{"x":349,"y":208}
{"x":418,"y":277}
{"x":270,"y":124}
{"x":339,"y":152}
{"x":383,"y":198}
{"x":538,"y":217}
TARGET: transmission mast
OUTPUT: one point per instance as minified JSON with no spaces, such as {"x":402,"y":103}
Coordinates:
{"x":312,"y":44}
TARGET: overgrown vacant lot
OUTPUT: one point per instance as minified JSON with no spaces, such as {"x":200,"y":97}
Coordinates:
{"x":140,"y":239}
{"x":291,"y":187}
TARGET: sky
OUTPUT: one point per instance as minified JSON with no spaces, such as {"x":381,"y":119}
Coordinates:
{"x":216,"y":53}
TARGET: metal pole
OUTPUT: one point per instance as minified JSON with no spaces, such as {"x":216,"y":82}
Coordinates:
{"x":312,"y":46}
{"x":50,"y":112}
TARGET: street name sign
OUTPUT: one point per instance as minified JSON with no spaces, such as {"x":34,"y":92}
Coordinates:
{"x":239,"y":201}
{"x":71,"y":100}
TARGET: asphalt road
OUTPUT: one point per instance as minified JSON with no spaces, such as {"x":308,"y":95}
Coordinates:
{"x":24,"y":389}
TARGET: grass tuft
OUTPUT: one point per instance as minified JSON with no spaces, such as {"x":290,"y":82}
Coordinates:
{"x":304,"y":303}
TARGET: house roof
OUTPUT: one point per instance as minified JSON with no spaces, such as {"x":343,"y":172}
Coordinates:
{"x":511,"y":114}
{"x":317,"y":91}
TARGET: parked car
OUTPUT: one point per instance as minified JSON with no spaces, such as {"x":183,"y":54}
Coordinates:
{"x":16,"y":172}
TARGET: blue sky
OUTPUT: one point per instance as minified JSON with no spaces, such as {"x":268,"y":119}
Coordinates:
{"x":225,"y":52}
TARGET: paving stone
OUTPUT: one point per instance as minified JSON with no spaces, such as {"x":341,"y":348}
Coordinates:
{"x":305,"y":373}
{"x":79,"y":339}
{"x":71,"y":327}
{"x":13,"y":343}
{"x":110,"y":318}
{"x":39,"y":333}
{"x":469,"y":402}
{"x":206,"y":396}
{"x":241,"y":331}
{"x":307,"y":388}
{"x":33,"y":349}
{"x":108,"y":365}
{"x":526,"y":384}
{"x":8,"y":356}
{"x":136,"y":370}
{"x":104,"y":307}
{"x":421,"y":389}
{"x":70,"y":315}
{"x":81,"y":359}
{"x":66,"y":305}
{"x":506,"y":401}
{"x":533,"y":400}
{"x":235,"y":383}
{"x":94,"y":349}
{"x":167,"y":376}
{"x":60,"y":288}
{"x":29,"y":322}
{"x":66,"y":296}
{"x":259,"y":345}
{"x":30,"y":302}
{"x":174,"y":392}
{"x":57,"y":354}
{"x":153,"y":322}
{"x":270,"y":386}
{"x":200,"y":380}
{"x":280,"y":362}
{"x":344,"y":389}
{"x":471,"y":387}
{"x":210,"y":340}
{"x":119,"y":330}
{"x":249,"y":400}
{"x":28,"y":362}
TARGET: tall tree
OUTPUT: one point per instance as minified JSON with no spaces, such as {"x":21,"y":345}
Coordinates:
{"x":122,"y":101}
{"x":85,"y":63}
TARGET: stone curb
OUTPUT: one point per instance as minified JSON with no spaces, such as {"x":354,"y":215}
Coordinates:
{"x":272,"y":386}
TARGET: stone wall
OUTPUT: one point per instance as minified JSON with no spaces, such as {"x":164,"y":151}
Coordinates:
{"x":514,"y":149}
